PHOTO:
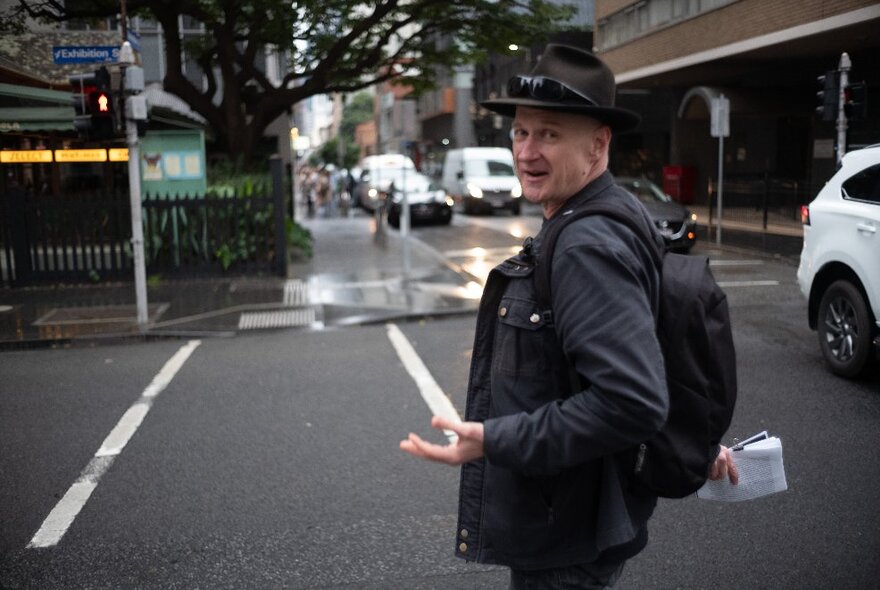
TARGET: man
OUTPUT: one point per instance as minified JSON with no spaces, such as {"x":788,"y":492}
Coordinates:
{"x":557,"y":402}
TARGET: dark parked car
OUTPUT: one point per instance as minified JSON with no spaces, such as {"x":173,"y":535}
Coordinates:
{"x":427,"y":201}
{"x":676,"y":223}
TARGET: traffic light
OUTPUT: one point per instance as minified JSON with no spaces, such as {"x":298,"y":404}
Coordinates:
{"x":94,"y":106}
{"x":855,"y":101}
{"x":829,"y":96}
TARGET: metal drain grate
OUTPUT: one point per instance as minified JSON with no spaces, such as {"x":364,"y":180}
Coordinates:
{"x":277,"y":319}
{"x":296,"y":292}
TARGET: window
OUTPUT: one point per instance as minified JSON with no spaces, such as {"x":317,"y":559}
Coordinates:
{"x":863,"y":186}
{"x":646,"y":16}
{"x":488,"y":168}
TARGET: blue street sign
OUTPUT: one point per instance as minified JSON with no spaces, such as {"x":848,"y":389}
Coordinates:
{"x":83,"y":54}
{"x":134,"y":39}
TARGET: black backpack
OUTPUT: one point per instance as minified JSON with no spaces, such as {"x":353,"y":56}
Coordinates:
{"x":694,"y":332}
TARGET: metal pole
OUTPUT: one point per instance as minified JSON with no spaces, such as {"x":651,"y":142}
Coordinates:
{"x":134,"y":194}
{"x":137,"y":226}
{"x":404,"y":227}
{"x":720,"y":186}
{"x":844,"y":67}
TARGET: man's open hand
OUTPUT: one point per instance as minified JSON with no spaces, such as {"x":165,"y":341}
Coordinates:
{"x":468,"y":447}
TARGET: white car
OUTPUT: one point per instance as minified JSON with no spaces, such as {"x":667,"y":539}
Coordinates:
{"x":839,"y":271}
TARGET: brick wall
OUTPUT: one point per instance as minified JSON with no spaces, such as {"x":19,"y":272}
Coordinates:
{"x":735,"y":22}
{"x":606,"y":7}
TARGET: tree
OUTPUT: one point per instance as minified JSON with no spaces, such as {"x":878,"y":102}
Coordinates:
{"x":328,"y":153}
{"x":331,"y":45}
{"x":358,"y":110}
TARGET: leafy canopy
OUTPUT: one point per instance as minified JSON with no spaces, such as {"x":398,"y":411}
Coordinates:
{"x":328,"y":45}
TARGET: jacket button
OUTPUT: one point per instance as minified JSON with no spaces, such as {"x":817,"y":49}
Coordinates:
{"x":464,"y":534}
{"x":463,"y":548}
{"x":535,"y":318}
{"x":502,"y":312}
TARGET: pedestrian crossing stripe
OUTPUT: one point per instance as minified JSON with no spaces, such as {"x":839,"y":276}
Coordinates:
{"x":277,"y":319}
{"x":296,"y":292}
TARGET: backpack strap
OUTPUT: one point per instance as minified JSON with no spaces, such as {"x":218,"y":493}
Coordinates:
{"x":548,"y":244}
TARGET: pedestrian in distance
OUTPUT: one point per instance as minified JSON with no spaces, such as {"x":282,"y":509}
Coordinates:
{"x":557,"y":401}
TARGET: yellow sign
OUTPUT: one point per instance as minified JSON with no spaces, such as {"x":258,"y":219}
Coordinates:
{"x":84,"y":155}
{"x":117,"y":154}
{"x":25,"y":156}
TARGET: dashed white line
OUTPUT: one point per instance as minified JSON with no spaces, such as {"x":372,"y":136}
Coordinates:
{"x":724,"y":262}
{"x":65,"y":512}
{"x":726,"y":284}
{"x":438,"y":402}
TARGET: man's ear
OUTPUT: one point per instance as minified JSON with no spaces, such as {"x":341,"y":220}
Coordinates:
{"x":601,"y":141}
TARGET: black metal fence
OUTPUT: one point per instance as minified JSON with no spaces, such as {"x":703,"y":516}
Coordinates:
{"x":210,"y":234}
{"x":762,"y":201}
{"x":85,"y":237}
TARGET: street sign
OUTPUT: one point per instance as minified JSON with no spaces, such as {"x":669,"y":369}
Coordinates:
{"x":83,"y":54}
{"x":83,"y":155}
{"x":25,"y":156}
{"x":67,"y":155}
{"x":720,"y":126}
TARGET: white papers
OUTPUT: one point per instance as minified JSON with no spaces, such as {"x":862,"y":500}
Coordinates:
{"x":761,"y":472}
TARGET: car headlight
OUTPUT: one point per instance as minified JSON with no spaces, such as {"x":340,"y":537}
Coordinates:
{"x":373,"y":193}
{"x":693,"y":217}
{"x":449,"y":201}
{"x":474,"y":191}
{"x":516,"y":191}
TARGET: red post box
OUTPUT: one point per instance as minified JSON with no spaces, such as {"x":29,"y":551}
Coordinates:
{"x":678,"y":183}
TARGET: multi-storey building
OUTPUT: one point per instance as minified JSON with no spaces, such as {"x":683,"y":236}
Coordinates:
{"x":672,"y":57}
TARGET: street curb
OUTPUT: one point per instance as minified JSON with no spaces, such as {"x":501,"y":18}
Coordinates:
{"x":108,"y":339}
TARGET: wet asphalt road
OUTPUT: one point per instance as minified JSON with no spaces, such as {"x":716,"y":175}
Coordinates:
{"x":271,"y":460}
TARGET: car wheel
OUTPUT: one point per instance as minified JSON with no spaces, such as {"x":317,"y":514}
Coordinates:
{"x":844,"y":329}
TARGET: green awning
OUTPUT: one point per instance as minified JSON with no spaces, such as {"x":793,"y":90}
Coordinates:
{"x":35,"y":118}
{"x":35,"y":94}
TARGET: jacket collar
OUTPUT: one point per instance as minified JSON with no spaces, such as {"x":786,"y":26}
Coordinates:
{"x":587,"y":193}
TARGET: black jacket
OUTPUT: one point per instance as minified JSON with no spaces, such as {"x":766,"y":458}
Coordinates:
{"x":552,"y":488}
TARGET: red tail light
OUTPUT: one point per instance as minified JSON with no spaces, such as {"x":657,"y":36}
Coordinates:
{"x":805,"y":214}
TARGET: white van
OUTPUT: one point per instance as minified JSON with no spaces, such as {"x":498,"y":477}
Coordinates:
{"x":377,"y":174}
{"x":482,"y":179}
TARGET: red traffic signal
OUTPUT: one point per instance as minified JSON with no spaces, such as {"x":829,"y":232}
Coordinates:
{"x":103,"y":102}
{"x":855,"y":101}
{"x":94,"y":106}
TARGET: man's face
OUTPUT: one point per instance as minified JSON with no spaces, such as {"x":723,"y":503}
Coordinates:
{"x":556,"y":154}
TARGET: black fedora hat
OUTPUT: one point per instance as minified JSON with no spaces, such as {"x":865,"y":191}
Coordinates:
{"x":567,"y":79}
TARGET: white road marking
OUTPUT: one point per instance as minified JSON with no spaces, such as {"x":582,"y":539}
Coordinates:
{"x":277,"y":319}
{"x":438,"y":402}
{"x":725,"y":284}
{"x":64,"y":513}
{"x":296,"y":292}
{"x":735,"y":262}
{"x":482,"y":252}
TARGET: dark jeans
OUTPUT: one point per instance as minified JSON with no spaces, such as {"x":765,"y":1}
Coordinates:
{"x":576,"y":577}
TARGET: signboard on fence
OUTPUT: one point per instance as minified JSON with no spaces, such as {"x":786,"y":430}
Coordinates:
{"x":173,"y":163}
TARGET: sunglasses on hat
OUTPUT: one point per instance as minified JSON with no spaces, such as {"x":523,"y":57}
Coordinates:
{"x":542,"y":88}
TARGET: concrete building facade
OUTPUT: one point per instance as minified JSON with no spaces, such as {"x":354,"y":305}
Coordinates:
{"x":671,"y":57}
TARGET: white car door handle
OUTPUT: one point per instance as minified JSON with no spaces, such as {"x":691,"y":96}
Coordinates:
{"x":866,"y":227}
